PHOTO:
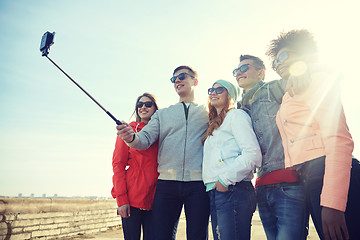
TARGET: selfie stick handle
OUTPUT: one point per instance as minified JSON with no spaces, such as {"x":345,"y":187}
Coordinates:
{"x":107,"y":112}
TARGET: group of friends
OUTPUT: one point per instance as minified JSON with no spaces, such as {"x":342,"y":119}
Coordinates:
{"x":292,"y":132}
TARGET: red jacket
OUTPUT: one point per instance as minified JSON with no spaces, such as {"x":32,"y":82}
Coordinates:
{"x":135,"y":173}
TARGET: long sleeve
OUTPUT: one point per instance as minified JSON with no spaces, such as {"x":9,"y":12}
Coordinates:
{"x":237,"y":169}
{"x":148,"y":135}
{"x":324,"y":99}
{"x":119,"y":163}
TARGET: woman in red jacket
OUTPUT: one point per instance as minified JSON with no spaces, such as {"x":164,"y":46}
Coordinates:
{"x":135,"y":176}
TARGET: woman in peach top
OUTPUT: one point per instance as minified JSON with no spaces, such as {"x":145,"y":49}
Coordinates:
{"x":315,"y":136}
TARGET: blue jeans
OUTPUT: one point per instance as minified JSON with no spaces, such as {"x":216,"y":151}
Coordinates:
{"x":312,"y":174}
{"x":231,"y":211}
{"x":282,"y":211}
{"x":132,"y":225}
{"x":170,"y":196}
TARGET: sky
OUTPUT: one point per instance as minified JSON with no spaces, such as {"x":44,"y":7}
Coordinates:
{"x":55,"y":140}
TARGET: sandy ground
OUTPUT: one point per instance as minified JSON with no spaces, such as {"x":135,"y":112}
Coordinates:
{"x":257,"y":231}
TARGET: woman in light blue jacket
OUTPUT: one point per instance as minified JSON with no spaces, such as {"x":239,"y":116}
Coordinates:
{"x":231,"y":153}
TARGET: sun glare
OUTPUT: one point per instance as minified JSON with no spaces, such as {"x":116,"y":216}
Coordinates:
{"x":298,"y":68}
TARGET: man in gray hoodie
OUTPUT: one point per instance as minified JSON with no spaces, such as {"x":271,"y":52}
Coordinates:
{"x":179,"y":129}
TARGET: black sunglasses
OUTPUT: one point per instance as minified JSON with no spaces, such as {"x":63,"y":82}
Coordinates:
{"x":217,"y":90}
{"x":280,"y":59}
{"x":243,"y":68}
{"x":181,"y":77}
{"x":147,"y":104}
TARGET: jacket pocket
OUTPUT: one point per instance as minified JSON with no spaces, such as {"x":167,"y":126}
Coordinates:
{"x":297,"y":123}
{"x":308,"y":142}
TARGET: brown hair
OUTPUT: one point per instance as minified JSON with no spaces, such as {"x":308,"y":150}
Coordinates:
{"x":216,"y":120}
{"x":257,"y":61}
{"x":190,"y":70}
{"x":152,"y":98}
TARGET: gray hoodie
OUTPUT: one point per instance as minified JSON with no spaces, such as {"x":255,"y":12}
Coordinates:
{"x":179,"y":130}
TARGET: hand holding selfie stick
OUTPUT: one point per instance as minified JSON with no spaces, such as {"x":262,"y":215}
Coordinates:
{"x":46,"y":41}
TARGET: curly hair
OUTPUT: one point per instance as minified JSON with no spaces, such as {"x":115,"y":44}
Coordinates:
{"x":301,"y":41}
{"x":216,"y":120}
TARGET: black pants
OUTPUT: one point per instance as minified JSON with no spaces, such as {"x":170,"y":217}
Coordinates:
{"x":170,"y":197}
{"x":312,"y":175}
{"x":132,"y":225}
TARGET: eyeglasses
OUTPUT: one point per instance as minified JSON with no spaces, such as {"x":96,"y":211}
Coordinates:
{"x":181,"y":77}
{"x":243,"y":68}
{"x":147,"y":104}
{"x":217,"y":90}
{"x":282,"y":58}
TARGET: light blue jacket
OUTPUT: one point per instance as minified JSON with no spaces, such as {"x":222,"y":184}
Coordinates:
{"x":232,"y":152}
{"x":179,"y":130}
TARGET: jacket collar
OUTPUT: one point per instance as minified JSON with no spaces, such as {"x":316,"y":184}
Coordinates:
{"x":247,"y":96}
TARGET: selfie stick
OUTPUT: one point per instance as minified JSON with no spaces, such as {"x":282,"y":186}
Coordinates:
{"x":48,"y":40}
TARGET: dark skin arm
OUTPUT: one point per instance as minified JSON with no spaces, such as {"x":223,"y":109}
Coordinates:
{"x":333,"y":221}
{"x":334,"y":224}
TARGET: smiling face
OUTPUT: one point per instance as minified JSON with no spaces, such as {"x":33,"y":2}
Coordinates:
{"x":144,"y":112}
{"x":249,"y":78}
{"x":185,"y":88}
{"x":220,"y":100}
{"x":284,"y":63}
{"x":291,"y":63}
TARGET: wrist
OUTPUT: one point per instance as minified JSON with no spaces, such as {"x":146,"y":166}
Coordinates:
{"x":133,"y":138}
{"x":222,"y":183}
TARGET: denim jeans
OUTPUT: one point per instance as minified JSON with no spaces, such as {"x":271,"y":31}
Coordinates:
{"x":282,"y":211}
{"x":312,"y":174}
{"x":170,"y":196}
{"x":132,"y":225}
{"x":231,"y":211}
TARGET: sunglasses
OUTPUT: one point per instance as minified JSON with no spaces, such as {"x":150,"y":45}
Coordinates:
{"x":217,"y":90}
{"x":243,"y":68}
{"x":280,"y":59}
{"x":147,"y":104}
{"x":181,"y":77}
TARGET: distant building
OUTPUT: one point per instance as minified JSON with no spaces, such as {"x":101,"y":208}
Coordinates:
{"x":32,"y":195}
{"x":20,"y":195}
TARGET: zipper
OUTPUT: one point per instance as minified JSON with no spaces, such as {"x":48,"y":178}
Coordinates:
{"x":283,"y":130}
{"x":296,"y":123}
{"x":186,"y":111}
{"x":292,"y":141}
{"x":136,"y":128}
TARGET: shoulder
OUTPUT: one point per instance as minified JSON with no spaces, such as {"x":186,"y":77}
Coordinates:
{"x":280,"y":84}
{"x":238,"y":114}
{"x":324,"y":81}
{"x":325,"y":77}
{"x":200,"y":107}
{"x":172,"y":107}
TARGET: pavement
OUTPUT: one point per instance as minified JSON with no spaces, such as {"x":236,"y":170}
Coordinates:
{"x":257,"y":231}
